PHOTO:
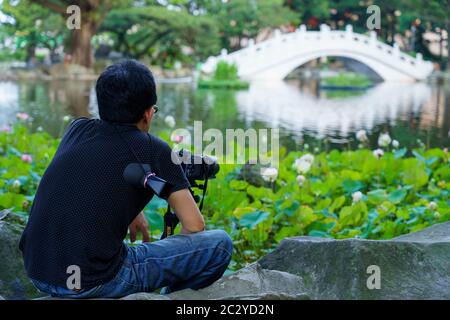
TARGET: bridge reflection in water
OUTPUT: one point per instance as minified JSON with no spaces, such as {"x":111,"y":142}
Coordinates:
{"x":408,"y":111}
{"x":282,"y":104}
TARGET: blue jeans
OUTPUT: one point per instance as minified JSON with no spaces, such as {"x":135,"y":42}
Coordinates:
{"x":178,"y":262}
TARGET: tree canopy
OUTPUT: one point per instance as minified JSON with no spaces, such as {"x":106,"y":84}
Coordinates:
{"x":165,"y":31}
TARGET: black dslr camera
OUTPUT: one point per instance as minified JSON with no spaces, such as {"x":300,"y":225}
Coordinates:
{"x":196,"y":168}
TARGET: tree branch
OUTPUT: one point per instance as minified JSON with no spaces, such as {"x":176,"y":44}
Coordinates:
{"x":51,"y":5}
{"x":155,"y":39}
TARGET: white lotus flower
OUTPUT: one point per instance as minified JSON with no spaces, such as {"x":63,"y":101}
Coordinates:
{"x":269,"y":174}
{"x":307,"y":158}
{"x":357,"y":196}
{"x":300,"y":180}
{"x":432,"y":205}
{"x":378,"y":153}
{"x":170,"y":121}
{"x":361,"y":135}
{"x":302,"y":166}
{"x":16,"y":184}
{"x":384,"y":140}
{"x":395,"y":144}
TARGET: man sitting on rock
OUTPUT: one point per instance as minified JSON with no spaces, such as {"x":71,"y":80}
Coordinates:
{"x":73,"y":243}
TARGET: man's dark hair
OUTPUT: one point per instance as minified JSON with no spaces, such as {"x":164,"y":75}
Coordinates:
{"x":125,"y":90}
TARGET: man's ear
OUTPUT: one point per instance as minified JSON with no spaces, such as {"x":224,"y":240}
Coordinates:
{"x":148,"y":115}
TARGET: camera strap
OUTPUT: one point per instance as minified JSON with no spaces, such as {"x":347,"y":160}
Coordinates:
{"x":205,"y":185}
{"x":131,"y":149}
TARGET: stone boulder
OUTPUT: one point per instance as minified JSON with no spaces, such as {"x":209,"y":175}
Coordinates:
{"x":14,"y":283}
{"x":250,"y":283}
{"x":413,"y":266}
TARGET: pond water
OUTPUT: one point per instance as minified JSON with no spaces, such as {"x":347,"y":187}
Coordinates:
{"x":302,"y":111}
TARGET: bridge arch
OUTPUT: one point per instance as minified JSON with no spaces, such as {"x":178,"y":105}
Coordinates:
{"x":275,"y":58}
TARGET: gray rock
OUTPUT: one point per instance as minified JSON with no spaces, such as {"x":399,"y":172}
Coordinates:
{"x":14,"y":283}
{"x":414,"y":266}
{"x":251,"y":283}
{"x":146,"y":296}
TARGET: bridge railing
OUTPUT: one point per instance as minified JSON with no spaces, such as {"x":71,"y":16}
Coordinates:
{"x":302,"y":35}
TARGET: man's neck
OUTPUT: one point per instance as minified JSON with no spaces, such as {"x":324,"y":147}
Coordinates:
{"x":142,"y":126}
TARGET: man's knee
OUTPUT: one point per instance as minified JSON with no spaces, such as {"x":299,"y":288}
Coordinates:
{"x":222,"y":240}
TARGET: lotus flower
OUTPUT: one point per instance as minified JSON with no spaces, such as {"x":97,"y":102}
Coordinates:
{"x":180,"y":136}
{"x":308,"y":158}
{"x":357,"y":196}
{"x":27,"y":158}
{"x":16,"y":184}
{"x":361,"y":135}
{"x":432,"y":205}
{"x":269,"y":174}
{"x":378,"y":153}
{"x":22,"y":116}
{"x":395,"y":144}
{"x":300,"y":180}
{"x":6,"y":129}
{"x":170,"y":121}
{"x":384,"y":140}
{"x":301,"y":166}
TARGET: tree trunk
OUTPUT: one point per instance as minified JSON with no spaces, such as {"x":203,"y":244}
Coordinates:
{"x":448,"y":41}
{"x":448,"y":36}
{"x":81,"y":48}
{"x":31,"y":56}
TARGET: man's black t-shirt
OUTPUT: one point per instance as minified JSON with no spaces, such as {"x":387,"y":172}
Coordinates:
{"x":83,"y":206}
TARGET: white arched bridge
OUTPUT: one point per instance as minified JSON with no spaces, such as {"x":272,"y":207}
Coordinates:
{"x":275,"y":58}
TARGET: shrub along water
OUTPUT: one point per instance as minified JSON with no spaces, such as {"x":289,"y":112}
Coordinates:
{"x":368,"y":194}
{"x":225,"y":76}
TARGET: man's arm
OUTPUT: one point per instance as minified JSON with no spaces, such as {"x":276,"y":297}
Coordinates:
{"x":186,"y":209}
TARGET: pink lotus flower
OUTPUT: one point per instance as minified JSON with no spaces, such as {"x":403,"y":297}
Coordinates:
{"x":22,"y":116}
{"x":177,"y":138}
{"x":27,"y":158}
{"x":6,"y":129}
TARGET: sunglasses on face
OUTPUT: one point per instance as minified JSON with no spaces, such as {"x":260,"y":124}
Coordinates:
{"x":155,"y":108}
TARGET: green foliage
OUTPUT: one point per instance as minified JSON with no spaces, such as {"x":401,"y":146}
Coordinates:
{"x":223,"y":84}
{"x":242,"y":18}
{"x":33,"y":27}
{"x":225,"y":77}
{"x":225,"y":71}
{"x":347,"y":80}
{"x":399,"y":194}
{"x":161,"y":34}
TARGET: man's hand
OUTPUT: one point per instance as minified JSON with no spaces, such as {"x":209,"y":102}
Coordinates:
{"x":139,"y":224}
